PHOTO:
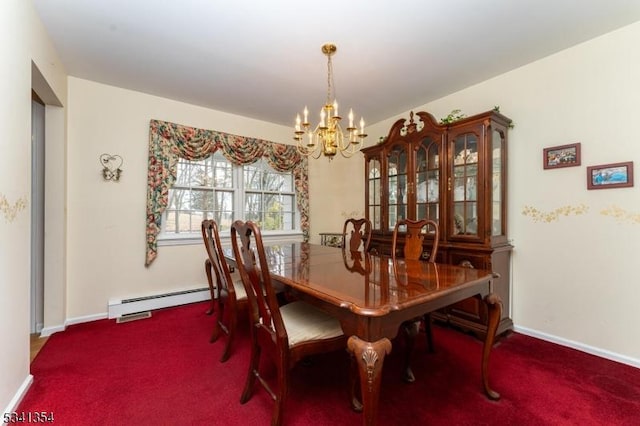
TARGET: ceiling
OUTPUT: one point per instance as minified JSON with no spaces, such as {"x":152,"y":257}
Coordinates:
{"x":262,"y":59}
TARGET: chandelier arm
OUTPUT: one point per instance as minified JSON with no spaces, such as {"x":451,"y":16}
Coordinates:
{"x":349,"y":150}
{"x":315,"y":155}
{"x":309,"y":152}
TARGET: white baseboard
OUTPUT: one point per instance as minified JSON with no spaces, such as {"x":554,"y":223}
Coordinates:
{"x":579,"y":346}
{"x":17,"y":398}
{"x":48,"y":331}
{"x":85,"y":318}
{"x":120,"y":307}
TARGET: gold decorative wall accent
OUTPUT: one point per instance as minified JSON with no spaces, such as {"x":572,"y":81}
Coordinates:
{"x":10,"y":211}
{"x":554,"y":215}
{"x":621,"y":215}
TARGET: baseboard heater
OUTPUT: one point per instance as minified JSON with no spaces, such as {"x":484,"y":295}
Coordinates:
{"x":120,"y":307}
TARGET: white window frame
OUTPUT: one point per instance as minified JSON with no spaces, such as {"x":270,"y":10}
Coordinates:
{"x":172,"y":239}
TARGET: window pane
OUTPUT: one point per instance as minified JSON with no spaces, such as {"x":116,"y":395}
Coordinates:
{"x":196,"y":220}
{"x":287,"y":203}
{"x":182,"y":173}
{"x":288,"y":222}
{"x":183,"y":221}
{"x":253,"y":203}
{"x":224,"y":200}
{"x":178,"y":199}
{"x":254,"y":216}
{"x":224,"y":220}
{"x":252,"y":177}
{"x":169,"y":223}
{"x":287,"y":182}
{"x":198,"y":173}
{"x":272,"y":203}
{"x":275,"y":182}
{"x":221,"y":172}
{"x":201,"y":199}
{"x":224,"y":215}
{"x":272,"y":221}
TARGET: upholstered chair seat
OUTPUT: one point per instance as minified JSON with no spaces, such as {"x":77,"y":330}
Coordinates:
{"x":241,"y":293}
{"x":305,"y":322}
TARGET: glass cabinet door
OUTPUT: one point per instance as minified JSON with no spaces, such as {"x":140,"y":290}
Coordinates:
{"x":427,"y":180}
{"x":397,"y":173}
{"x":374,"y":183}
{"x":498,"y":176}
{"x":464,"y":185}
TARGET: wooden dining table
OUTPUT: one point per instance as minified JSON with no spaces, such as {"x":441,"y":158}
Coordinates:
{"x":372,"y":295}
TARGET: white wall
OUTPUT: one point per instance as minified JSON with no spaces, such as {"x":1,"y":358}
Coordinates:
{"x":574,"y":276}
{"x":22,"y":40}
{"x":106,"y":231}
{"x":336,"y":192}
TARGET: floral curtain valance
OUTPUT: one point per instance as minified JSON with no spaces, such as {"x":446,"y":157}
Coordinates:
{"x":169,"y":141}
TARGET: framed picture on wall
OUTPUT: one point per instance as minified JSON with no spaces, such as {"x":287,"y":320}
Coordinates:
{"x":605,"y":176}
{"x":561,"y":156}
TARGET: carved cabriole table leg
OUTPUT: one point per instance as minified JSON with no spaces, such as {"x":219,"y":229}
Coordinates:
{"x":370,"y":358}
{"x":494,"y":303}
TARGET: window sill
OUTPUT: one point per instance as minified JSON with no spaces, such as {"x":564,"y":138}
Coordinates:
{"x":193,"y":239}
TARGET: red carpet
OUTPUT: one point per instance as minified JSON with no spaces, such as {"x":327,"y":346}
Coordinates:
{"x":164,"y":371}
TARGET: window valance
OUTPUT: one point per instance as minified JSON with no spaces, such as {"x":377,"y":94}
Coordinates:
{"x":169,"y":141}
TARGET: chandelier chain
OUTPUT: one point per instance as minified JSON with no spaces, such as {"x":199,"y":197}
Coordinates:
{"x":330,"y":82}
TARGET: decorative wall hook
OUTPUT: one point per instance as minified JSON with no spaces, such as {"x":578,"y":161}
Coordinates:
{"x":111,"y":167}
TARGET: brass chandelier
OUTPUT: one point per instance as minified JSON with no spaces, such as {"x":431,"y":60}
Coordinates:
{"x":328,"y":137}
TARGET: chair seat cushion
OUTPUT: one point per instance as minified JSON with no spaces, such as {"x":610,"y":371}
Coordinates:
{"x":305,"y":322}
{"x":241,"y":293}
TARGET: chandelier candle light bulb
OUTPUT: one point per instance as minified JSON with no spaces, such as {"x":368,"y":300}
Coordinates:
{"x":328,"y":138}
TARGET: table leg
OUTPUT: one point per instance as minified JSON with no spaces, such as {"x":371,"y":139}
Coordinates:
{"x":370,"y":358}
{"x":494,"y":303}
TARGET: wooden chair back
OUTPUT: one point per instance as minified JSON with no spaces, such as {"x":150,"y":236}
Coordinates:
{"x":312,"y":330}
{"x":211,"y":239}
{"x":356,"y":234}
{"x":251,"y":260}
{"x":226,"y":302}
{"x":415,"y":232}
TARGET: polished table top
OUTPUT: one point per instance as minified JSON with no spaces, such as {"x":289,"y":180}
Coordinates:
{"x":366,"y":284}
{"x":372,"y":295}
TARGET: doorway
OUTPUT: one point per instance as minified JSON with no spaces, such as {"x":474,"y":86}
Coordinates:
{"x":37,"y":213}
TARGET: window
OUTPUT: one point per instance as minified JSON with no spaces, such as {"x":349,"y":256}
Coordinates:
{"x":214,"y":188}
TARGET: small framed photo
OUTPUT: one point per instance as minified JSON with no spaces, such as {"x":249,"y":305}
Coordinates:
{"x":605,"y":176}
{"x":561,"y":156}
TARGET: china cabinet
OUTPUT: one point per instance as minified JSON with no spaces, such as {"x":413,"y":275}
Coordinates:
{"x":455,"y":174}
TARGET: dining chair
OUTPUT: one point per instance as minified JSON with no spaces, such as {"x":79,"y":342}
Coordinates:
{"x":413,"y":249}
{"x":356,"y":234}
{"x":287,"y":333}
{"x":228,"y":296}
